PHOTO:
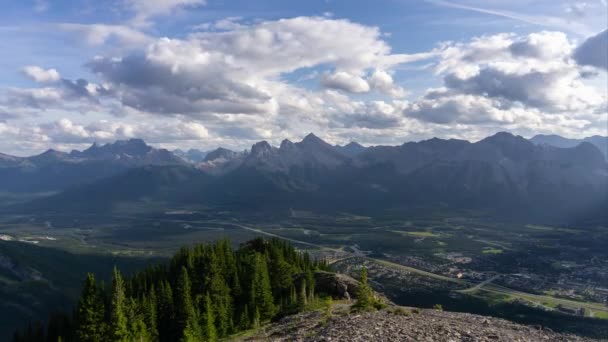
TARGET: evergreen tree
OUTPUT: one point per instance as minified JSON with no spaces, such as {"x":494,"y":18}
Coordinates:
{"x":365,"y":298}
{"x":90,"y":324}
{"x":150,"y":303}
{"x":261,"y":295}
{"x":209,"y":320}
{"x":191,"y":299}
{"x":118,"y":328}
{"x":220,"y":297}
{"x":185,"y":315}
{"x":136,"y":322}
{"x":244,"y":320}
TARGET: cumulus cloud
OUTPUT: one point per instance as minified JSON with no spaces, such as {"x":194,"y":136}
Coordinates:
{"x":66,"y":134}
{"x":64,"y":94}
{"x":233,"y":82}
{"x":383,"y":81}
{"x":373,"y":115}
{"x":41,"y":75}
{"x":507,"y":78}
{"x":345,"y":81}
{"x":33,"y":97}
{"x":238,"y":71}
{"x":594,"y":51}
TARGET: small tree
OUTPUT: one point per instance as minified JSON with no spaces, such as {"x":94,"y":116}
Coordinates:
{"x":365,"y":297}
{"x":118,"y":329}
{"x":90,"y":312}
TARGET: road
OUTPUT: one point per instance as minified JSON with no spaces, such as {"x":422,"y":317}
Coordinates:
{"x":380,"y":261}
{"x":480,"y":285}
{"x":485,"y":285}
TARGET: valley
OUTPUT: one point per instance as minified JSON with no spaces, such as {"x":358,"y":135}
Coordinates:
{"x":499,"y":227}
{"x":465,"y":263}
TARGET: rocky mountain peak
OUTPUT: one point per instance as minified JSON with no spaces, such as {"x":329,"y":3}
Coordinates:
{"x":286,"y":144}
{"x":311,"y":140}
{"x":220,"y":152}
{"x":261,"y":148}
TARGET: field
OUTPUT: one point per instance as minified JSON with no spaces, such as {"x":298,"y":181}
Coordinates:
{"x":463,"y":256}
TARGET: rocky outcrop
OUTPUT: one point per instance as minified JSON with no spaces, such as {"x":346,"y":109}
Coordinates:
{"x":339,"y":286}
{"x":401,"y":324}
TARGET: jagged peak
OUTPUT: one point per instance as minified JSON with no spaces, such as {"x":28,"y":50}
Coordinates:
{"x":261,"y":147}
{"x":131,"y":141}
{"x":311,"y":138}
{"x":353,"y":144}
{"x":219,"y":152}
{"x":286,"y":143}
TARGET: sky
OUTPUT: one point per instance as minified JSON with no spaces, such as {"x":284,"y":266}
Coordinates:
{"x":208,"y":73}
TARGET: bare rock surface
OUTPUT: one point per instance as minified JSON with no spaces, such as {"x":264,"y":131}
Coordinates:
{"x":404,"y":325}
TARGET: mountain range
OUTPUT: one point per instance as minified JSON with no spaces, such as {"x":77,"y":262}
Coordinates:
{"x":502,"y":173}
{"x":558,"y":141}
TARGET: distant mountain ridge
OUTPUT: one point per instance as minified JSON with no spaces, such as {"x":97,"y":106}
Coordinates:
{"x":558,"y":141}
{"x":54,"y":170}
{"x":501,"y":173}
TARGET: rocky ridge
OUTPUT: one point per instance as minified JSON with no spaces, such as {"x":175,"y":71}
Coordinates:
{"x":402,"y":324}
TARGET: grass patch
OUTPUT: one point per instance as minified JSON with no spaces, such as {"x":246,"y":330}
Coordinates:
{"x":491,"y":250}
{"x":551,"y":229}
{"x":600,"y":314}
{"x":419,"y":234}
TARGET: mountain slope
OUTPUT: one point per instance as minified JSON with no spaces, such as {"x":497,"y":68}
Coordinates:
{"x":164,"y":183}
{"x":502,"y":174}
{"x":558,"y":141}
{"x":55,"y":171}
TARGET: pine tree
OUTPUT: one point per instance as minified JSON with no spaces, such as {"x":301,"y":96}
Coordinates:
{"x":365,"y":299}
{"x":90,"y":312}
{"x":136,"y":322}
{"x":261,"y":293}
{"x":118,"y":330}
{"x":150,"y":303}
{"x":190,"y":299}
{"x":209,"y":333}
{"x":244,"y":320}
{"x":220,"y":296}
{"x":256,"y":318}
{"x":185,"y":315}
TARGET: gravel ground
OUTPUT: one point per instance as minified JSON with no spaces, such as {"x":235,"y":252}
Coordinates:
{"x":385,"y":325}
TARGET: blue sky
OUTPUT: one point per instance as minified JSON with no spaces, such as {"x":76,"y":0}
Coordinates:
{"x":205,"y":73}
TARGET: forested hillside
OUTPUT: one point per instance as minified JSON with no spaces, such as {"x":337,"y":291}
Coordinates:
{"x":205,"y":292}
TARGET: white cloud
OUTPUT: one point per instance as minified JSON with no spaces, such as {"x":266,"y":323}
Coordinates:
{"x":373,"y":115}
{"x":66,"y":134}
{"x":239,"y":71}
{"x":383,"y":81}
{"x":523,"y":82}
{"x":41,"y":75}
{"x":97,"y":34}
{"x":343,"y":80}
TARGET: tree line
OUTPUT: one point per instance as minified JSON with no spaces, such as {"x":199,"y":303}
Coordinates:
{"x":204,"y":293}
